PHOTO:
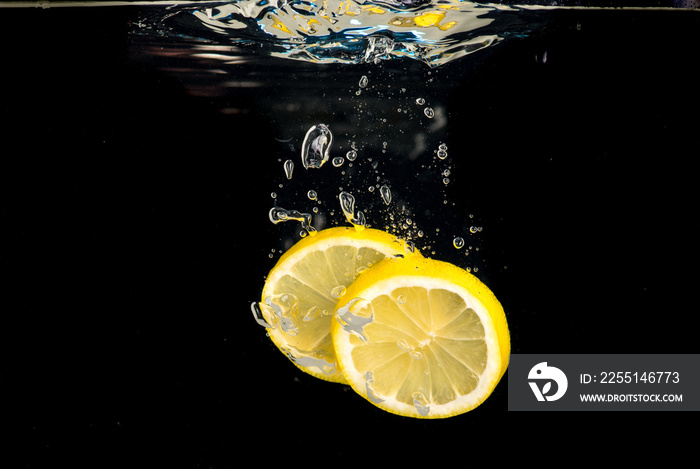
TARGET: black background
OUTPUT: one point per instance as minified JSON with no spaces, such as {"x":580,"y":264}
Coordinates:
{"x":135,"y":236}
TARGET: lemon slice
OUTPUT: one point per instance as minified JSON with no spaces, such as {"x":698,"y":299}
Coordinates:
{"x":421,"y":338}
{"x":302,"y":289}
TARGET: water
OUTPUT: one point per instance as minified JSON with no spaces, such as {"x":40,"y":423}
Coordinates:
{"x":143,"y":143}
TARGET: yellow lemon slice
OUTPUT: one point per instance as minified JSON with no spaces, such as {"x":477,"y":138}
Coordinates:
{"x":421,"y":338}
{"x":302,"y":289}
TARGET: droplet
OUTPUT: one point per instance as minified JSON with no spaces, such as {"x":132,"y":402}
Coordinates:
{"x":401,"y":299}
{"x":347,"y":204}
{"x":351,"y":155}
{"x":458,"y":242}
{"x":386,"y":194}
{"x":338,"y":161}
{"x":288,"y":168}
{"x":420,"y":403}
{"x":338,"y":291}
{"x":316,"y":146}
{"x":354,"y":316}
{"x":429,"y":113}
{"x":363,"y":81}
{"x":420,"y":101}
{"x":312,"y":195}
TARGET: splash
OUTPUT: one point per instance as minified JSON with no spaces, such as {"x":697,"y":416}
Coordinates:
{"x":349,"y":31}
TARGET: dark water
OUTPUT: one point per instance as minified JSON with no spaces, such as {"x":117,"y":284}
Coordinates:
{"x":137,"y":173}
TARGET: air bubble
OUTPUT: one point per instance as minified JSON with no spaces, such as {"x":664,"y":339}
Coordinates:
{"x":420,"y":101}
{"x":312,"y":195}
{"x":369,"y":386}
{"x":286,"y":308}
{"x":338,"y":291}
{"x":420,"y":403}
{"x":347,"y":204}
{"x":351,"y":155}
{"x":410,"y":247}
{"x":458,"y":242}
{"x":354,"y":316}
{"x":338,"y":161}
{"x":278,"y":215}
{"x":429,"y":113}
{"x":312,"y":313}
{"x":442,"y":154}
{"x":316,"y":358}
{"x":363,"y":81}
{"x":386,"y":194}
{"x":288,"y":168}
{"x":263,"y":315}
{"x":316,"y":146}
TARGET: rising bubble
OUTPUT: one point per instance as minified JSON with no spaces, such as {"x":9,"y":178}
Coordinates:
{"x":386,"y":194}
{"x":347,"y":203}
{"x":429,"y":113}
{"x":458,"y":242}
{"x":288,"y":168}
{"x":316,"y":146}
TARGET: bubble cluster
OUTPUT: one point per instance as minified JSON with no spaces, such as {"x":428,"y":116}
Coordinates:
{"x":369,"y":172}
